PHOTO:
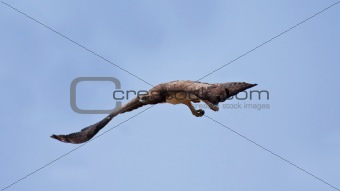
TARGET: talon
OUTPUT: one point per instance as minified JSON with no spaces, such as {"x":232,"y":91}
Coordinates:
{"x":215,"y":108}
{"x":199,"y":113}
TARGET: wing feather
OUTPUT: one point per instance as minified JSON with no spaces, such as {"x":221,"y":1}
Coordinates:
{"x":89,"y":132}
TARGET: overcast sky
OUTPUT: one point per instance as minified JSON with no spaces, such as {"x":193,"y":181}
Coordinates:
{"x":273,"y":145}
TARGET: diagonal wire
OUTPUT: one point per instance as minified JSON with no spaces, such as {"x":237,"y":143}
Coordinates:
{"x":277,"y":36}
{"x":271,"y":152}
{"x":74,"y":42}
{"x":69,"y":152}
{"x":262,"y":44}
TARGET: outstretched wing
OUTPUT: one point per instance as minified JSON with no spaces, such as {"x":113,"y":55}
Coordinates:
{"x":90,"y":131}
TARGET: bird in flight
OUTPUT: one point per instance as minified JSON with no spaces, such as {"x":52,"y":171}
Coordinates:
{"x":175,"y":92}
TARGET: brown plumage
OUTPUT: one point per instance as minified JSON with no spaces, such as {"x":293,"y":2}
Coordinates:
{"x":176,"y":92}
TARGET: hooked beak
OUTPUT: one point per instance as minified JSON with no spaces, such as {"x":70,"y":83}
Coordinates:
{"x":233,"y":88}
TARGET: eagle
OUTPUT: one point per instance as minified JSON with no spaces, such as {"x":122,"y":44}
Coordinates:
{"x":175,"y":92}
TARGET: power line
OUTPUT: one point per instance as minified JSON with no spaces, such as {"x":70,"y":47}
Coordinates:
{"x":272,"y":153}
{"x":71,"y":151}
{"x":76,"y":43}
{"x":278,"y":35}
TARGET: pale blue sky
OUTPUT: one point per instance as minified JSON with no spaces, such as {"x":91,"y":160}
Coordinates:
{"x":165,"y":147}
